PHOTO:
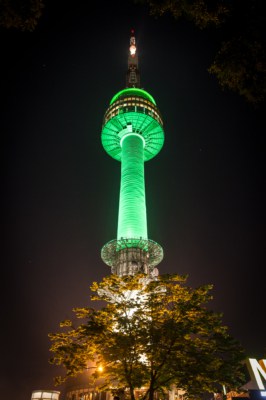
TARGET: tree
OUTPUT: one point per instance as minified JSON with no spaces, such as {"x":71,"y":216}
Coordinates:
{"x":240,"y":62}
{"x":20,"y":14}
{"x":151,"y":335}
{"x":240,"y":65}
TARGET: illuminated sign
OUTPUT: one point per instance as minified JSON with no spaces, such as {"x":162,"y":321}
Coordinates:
{"x":257,"y":371}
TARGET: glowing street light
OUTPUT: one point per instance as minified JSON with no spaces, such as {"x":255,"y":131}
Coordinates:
{"x":99,"y":368}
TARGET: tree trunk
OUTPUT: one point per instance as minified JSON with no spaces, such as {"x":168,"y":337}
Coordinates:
{"x":151,"y":393}
{"x":132,"y":394}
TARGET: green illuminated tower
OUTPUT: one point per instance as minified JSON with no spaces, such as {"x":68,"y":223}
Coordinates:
{"x":132,"y":133}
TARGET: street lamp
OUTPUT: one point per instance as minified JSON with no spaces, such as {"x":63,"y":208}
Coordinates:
{"x":98,"y":368}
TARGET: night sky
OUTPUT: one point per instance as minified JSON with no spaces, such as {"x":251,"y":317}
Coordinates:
{"x":205,"y":190}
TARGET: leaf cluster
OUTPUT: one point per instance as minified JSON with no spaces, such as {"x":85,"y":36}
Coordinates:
{"x":240,"y":62}
{"x":151,"y":334}
{"x":20,"y":14}
{"x":202,"y":13}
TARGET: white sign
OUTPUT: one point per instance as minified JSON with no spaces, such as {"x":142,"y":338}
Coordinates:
{"x":257,"y":370}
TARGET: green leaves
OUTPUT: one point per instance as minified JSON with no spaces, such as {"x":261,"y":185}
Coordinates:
{"x":152,"y":334}
{"x":201,"y":12}
{"x":240,"y":62}
{"x":240,"y":65}
{"x":20,"y":14}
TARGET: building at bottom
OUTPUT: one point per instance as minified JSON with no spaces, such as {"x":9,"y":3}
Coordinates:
{"x":45,"y":395}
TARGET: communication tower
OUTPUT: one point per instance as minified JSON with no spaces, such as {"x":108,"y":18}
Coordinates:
{"x":132,"y":133}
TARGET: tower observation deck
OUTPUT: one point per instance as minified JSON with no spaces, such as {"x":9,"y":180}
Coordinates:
{"x":132,"y":133}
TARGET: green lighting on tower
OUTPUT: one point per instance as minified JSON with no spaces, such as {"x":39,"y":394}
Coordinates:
{"x":132,"y":220}
{"x":132,"y":133}
{"x":133,"y":92}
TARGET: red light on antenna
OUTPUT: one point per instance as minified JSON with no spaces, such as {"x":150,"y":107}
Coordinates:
{"x":132,"y":30}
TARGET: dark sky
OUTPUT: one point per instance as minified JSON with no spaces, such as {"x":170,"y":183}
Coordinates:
{"x":205,"y":190}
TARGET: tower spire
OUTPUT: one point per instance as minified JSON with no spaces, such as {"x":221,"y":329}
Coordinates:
{"x":133,"y":76}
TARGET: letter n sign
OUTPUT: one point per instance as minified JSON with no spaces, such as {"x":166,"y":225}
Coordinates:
{"x":257,"y":371}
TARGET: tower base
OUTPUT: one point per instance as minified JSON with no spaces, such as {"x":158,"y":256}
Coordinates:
{"x":132,"y":256}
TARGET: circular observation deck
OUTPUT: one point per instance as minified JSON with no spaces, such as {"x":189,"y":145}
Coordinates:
{"x":127,"y":250}
{"x":132,"y":110}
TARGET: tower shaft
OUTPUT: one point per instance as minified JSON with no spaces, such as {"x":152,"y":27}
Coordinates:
{"x":132,"y":219}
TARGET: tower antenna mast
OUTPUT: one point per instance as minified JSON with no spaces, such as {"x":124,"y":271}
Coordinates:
{"x":133,"y":76}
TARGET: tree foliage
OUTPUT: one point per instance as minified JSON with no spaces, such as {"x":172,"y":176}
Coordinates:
{"x":20,"y":14}
{"x":240,"y":62}
{"x":201,"y":12}
{"x":240,"y":65}
{"x":151,"y":334}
